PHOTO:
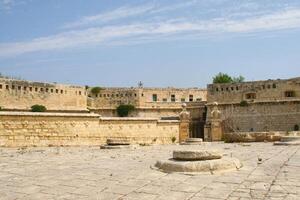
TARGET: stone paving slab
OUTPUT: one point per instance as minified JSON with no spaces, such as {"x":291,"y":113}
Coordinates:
{"x":127,"y":174}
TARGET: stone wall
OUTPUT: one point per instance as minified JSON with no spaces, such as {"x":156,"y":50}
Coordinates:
{"x":256,"y":91}
{"x":149,"y":102}
{"x":21,"y":95}
{"x":263,"y":116}
{"x":56,"y":129}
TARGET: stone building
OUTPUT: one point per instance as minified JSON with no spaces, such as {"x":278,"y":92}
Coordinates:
{"x":21,"y":95}
{"x":149,"y":102}
{"x":271,"y":105}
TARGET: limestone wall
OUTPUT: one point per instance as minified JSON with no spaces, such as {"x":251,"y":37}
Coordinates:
{"x":259,"y":117}
{"x":54,"y":129}
{"x":21,"y":95}
{"x":149,"y":102}
{"x":257,"y":91}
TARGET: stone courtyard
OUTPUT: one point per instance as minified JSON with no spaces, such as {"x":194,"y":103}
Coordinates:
{"x":269,"y":172}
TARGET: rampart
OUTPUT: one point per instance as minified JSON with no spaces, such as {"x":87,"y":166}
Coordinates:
{"x":21,"y":95}
{"x":67,"y":129}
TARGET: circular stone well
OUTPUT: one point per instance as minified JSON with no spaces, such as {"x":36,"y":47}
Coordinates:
{"x":198,"y":161}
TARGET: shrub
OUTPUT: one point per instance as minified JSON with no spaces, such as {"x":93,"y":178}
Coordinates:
{"x":222,"y":78}
{"x":244,"y":103}
{"x":225,"y":78}
{"x":38,"y":108}
{"x":96,"y":90}
{"x":124,"y":110}
{"x":173,"y":139}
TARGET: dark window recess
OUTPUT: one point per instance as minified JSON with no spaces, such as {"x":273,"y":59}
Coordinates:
{"x":0,"y":86}
{"x":30,"y":89}
{"x":182,"y":100}
{"x":274,"y":85}
{"x":42,"y":89}
{"x":173,"y":98}
{"x":290,"y":94}
{"x":165,"y":100}
{"x":154,"y":97}
{"x":19,"y":87}
{"x":191,"y":98}
{"x":296,"y":127}
{"x":7,"y":87}
{"x":13,"y":87}
{"x":251,"y":96}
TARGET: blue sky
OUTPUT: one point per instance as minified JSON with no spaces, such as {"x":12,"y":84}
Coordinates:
{"x":181,"y":43}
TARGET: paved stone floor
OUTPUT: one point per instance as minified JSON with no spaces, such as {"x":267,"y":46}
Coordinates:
{"x":91,"y":173}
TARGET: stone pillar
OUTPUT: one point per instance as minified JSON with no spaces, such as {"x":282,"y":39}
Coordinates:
{"x":213,"y":129}
{"x":184,"y":126}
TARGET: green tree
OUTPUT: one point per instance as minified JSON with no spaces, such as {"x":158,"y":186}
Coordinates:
{"x":124,"y":110}
{"x":222,"y":78}
{"x":238,"y":79}
{"x":96,"y":90}
{"x":225,"y":78}
{"x":38,"y":108}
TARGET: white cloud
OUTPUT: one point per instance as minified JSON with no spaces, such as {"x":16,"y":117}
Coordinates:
{"x":154,"y":31}
{"x":119,"y":13}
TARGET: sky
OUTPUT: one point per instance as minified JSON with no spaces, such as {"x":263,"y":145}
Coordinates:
{"x":176,"y":43}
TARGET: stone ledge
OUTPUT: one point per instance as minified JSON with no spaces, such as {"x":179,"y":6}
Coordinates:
{"x":46,"y":114}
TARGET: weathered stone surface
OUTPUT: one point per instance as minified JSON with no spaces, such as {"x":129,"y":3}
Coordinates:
{"x":289,"y":140}
{"x":118,"y":147}
{"x":211,"y":166}
{"x":194,"y":140}
{"x":191,"y":155}
{"x":117,"y":141}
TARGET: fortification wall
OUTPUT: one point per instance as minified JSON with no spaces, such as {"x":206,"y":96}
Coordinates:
{"x":260,"y":117}
{"x":21,"y":95}
{"x":257,"y":91}
{"x":54,"y":129}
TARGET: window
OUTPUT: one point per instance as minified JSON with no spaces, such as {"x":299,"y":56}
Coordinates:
{"x":165,"y":100}
{"x":100,"y":95}
{"x":142,"y":94}
{"x":57,"y":91}
{"x":104,"y":95}
{"x":107,"y":95}
{"x":36,"y":89}
{"x":182,"y":99}
{"x":290,"y":94}
{"x":42,"y":89}
{"x":51,"y":90}
{"x":237,"y":88}
{"x":274,"y":85}
{"x":79,"y":92}
{"x":263,"y":87}
{"x":112,"y":95}
{"x":191,"y":98}
{"x":135,"y":95}
{"x":154,"y":97}
{"x":232,"y":88}
{"x":251,"y":96}
{"x":30,"y":89}
{"x":13,"y":87}
{"x":173,"y":98}
{"x":25,"y":88}
{"x":19,"y":87}
{"x":0,"y":86}
{"x":7,"y":87}
{"x":222,"y":89}
{"x":269,"y":86}
{"x":47,"y":89}
{"x":217,"y":89}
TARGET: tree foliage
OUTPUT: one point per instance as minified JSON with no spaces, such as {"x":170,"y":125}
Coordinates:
{"x":38,"y":108}
{"x":124,"y":110}
{"x":225,"y":78}
{"x":96,"y":90}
